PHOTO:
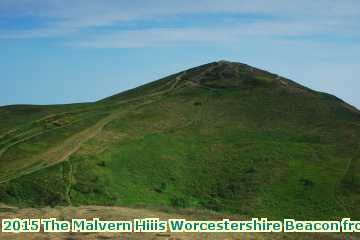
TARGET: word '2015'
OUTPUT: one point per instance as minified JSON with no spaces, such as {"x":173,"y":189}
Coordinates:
{"x":21,"y":225}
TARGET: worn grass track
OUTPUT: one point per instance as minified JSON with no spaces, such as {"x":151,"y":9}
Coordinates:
{"x":63,"y":151}
{"x":222,"y":136}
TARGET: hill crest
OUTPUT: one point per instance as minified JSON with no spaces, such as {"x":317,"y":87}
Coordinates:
{"x":222,"y":136}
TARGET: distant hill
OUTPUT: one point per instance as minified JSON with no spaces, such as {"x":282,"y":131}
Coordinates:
{"x":222,"y":136}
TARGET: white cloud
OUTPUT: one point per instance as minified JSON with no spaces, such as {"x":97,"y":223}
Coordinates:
{"x":74,"y":17}
{"x":220,"y":34}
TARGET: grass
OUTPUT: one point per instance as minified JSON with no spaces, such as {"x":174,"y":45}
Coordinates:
{"x":237,"y":140}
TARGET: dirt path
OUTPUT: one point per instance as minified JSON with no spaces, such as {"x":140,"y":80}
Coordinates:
{"x":69,"y":185}
{"x":338,"y":200}
{"x":31,"y":133}
{"x":27,"y":138}
{"x":63,"y":151}
{"x":123,"y":213}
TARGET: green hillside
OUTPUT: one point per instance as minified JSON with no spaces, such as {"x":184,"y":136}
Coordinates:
{"x":222,"y":136}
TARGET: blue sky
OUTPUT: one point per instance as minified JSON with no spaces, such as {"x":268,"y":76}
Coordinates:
{"x":62,"y":51}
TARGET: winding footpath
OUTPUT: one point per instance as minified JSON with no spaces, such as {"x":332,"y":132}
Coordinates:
{"x":71,"y":145}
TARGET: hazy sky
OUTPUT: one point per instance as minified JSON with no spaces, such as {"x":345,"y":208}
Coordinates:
{"x":62,"y":51}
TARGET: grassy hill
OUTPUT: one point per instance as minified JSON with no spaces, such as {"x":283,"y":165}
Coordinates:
{"x":223,"y":136}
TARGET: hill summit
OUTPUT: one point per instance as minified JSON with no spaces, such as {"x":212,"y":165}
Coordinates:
{"x":223,"y":136}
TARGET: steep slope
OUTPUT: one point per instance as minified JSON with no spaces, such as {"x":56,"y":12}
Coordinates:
{"x":223,"y":136}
